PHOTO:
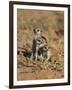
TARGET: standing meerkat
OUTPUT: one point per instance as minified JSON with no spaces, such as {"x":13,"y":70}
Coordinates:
{"x":39,"y":46}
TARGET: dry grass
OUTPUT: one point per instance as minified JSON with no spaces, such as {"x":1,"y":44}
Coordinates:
{"x":52,"y":25}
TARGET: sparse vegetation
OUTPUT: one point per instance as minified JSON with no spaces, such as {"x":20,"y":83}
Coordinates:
{"x":52,"y":25}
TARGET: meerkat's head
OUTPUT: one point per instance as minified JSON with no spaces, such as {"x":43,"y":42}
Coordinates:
{"x":37,"y":31}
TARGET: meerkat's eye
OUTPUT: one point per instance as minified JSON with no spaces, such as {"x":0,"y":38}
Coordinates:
{"x":37,"y":30}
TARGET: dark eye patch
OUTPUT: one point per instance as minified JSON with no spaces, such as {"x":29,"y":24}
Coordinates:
{"x":38,"y":30}
{"x":34,"y":30}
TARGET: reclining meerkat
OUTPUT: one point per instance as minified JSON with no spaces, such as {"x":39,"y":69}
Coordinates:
{"x":39,"y":46}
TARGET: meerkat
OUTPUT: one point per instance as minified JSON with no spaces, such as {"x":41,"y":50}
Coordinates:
{"x":39,"y":46}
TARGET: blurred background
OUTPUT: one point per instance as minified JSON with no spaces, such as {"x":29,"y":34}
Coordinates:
{"x":51,"y":23}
